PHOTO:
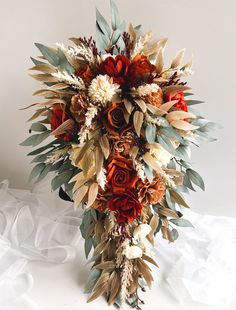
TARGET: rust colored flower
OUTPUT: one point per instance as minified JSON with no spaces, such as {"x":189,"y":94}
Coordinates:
{"x":101,"y":201}
{"x":120,"y":174}
{"x":123,"y":144}
{"x":113,"y":119}
{"x":140,"y":69}
{"x":116,"y":67}
{"x":57,"y":117}
{"x":79,"y":104}
{"x":181,"y":104}
{"x":155,"y":99}
{"x":85,"y":73}
{"x":150,"y":193}
{"x":126,"y":206}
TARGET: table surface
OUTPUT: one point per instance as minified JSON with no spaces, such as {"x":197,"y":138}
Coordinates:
{"x":61,"y":287}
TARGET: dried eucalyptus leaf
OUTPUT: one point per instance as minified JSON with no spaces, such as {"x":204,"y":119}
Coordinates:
{"x":38,"y":127}
{"x":181,"y":222}
{"x":88,"y":246}
{"x":195,"y":177}
{"x":36,"y":171}
{"x":150,"y":133}
{"x":49,"y":53}
{"x":92,"y":279}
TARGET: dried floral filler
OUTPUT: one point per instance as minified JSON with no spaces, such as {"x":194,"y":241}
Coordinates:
{"x":121,"y":126}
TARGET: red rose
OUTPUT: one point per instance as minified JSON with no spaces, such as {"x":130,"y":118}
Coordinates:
{"x":181,"y":104}
{"x":116,"y":67}
{"x":57,"y":117}
{"x":126,"y":207}
{"x":140,"y":69}
{"x":121,"y":174}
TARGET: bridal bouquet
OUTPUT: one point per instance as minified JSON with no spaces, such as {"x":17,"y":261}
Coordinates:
{"x":120,"y":126}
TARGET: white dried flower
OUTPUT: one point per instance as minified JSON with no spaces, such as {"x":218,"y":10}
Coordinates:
{"x":142,"y":42}
{"x":102,"y":89}
{"x":101,"y":178}
{"x":162,"y":156}
{"x":90,"y":114}
{"x":141,"y":231}
{"x":56,"y":155}
{"x":72,"y":80}
{"x":145,"y":90}
{"x":132,"y":251}
{"x":140,"y":170}
{"x":78,"y":51}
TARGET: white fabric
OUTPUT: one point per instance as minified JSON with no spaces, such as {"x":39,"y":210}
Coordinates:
{"x":38,"y":226}
{"x":201,"y":265}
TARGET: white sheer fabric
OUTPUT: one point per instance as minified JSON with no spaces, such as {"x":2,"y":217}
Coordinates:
{"x":37,"y":226}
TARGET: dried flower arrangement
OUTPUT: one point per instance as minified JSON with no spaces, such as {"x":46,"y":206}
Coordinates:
{"x":122,"y":127}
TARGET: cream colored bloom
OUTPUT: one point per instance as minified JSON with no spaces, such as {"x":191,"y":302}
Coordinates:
{"x":145,"y":90}
{"x":161,"y":155}
{"x":102,"y":89}
{"x":140,"y":235}
{"x":132,"y":251}
{"x":142,"y":231}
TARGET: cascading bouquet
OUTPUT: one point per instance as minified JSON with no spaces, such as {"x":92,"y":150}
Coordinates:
{"x":121,"y":130}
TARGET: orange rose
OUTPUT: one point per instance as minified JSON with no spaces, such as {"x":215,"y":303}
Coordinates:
{"x":140,"y":69}
{"x":113,"y":119}
{"x":121,"y":174}
{"x":181,"y":104}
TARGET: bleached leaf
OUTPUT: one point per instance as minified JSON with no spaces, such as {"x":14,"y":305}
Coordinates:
{"x":138,"y":121}
{"x":64,"y":127}
{"x":46,"y":68}
{"x":168,"y":105}
{"x":80,"y":194}
{"x":182,"y":125}
{"x":104,"y":143}
{"x":141,"y":104}
{"x":160,"y":61}
{"x":150,"y":161}
{"x":178,"y":115}
{"x":176,"y":88}
{"x":128,"y":106}
{"x":178,"y":58}
{"x":92,"y":194}
{"x":155,"y":110}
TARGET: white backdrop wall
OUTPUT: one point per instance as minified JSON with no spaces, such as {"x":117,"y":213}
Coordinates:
{"x":205,"y":27}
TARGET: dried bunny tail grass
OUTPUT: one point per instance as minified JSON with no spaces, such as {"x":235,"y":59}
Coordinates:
{"x":89,"y":116}
{"x":126,"y":279}
{"x":140,"y":170}
{"x":78,"y":51}
{"x":101,"y":178}
{"x":56,"y":155}
{"x":75,"y":82}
